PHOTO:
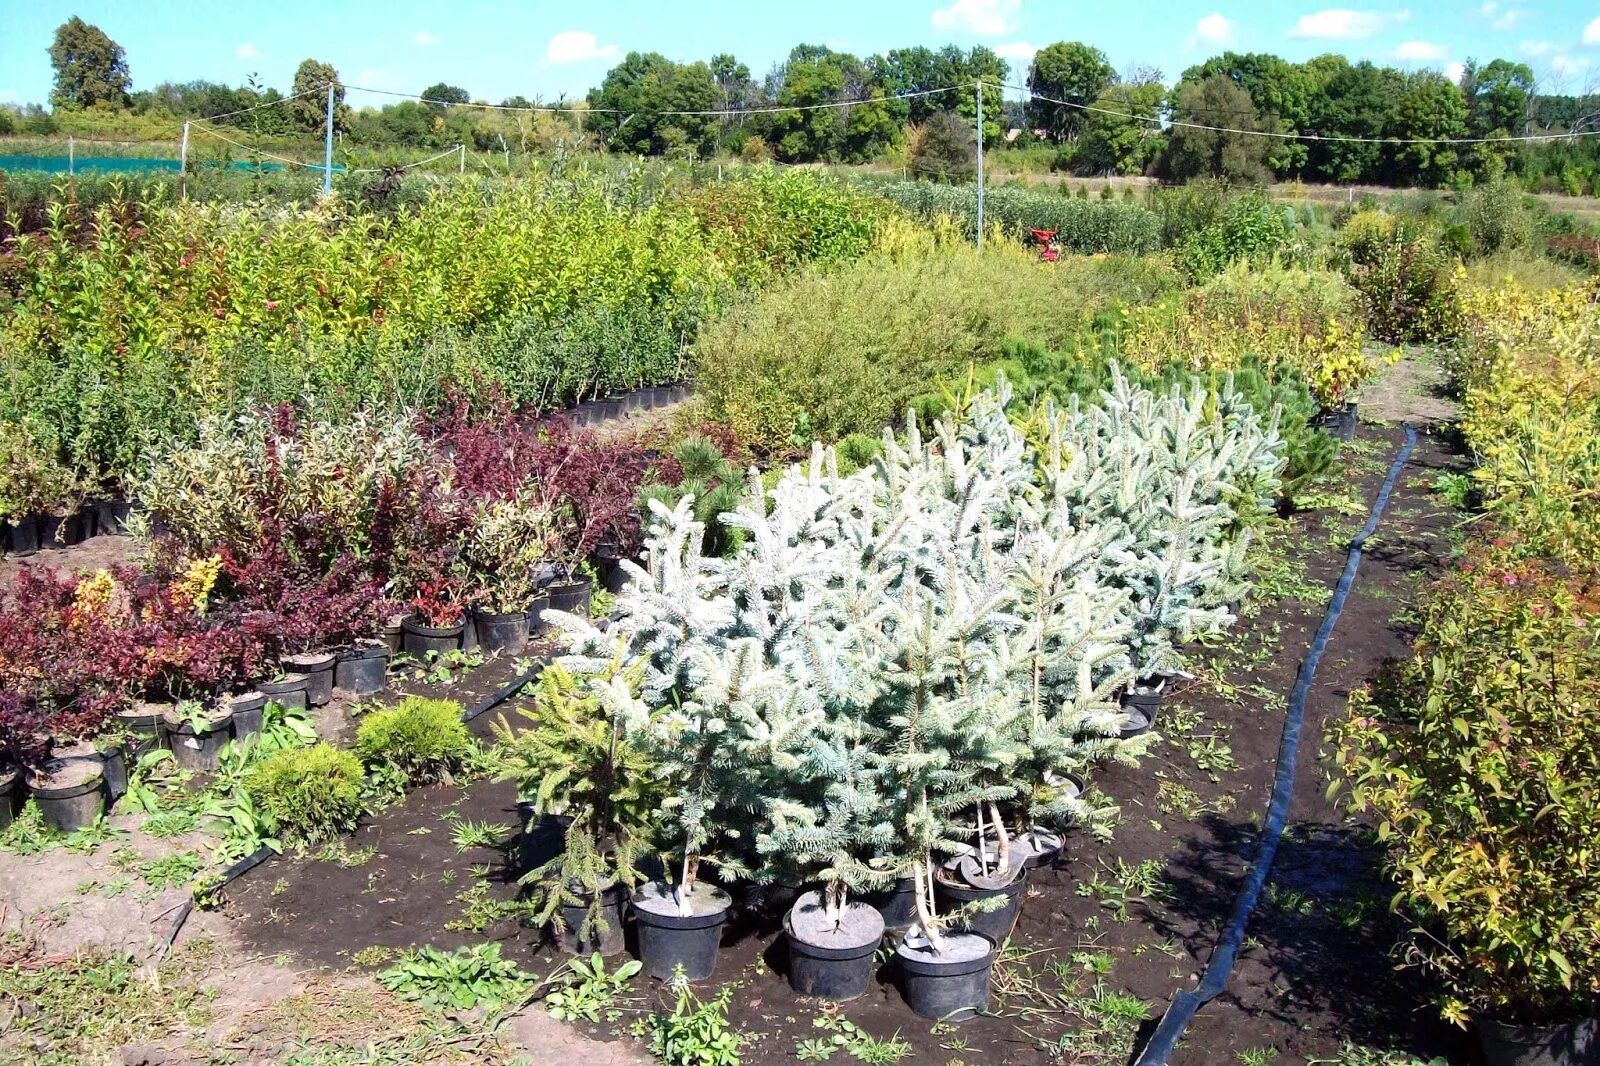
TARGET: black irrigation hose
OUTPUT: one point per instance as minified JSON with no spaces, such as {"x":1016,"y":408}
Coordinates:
{"x":505,"y":692}
{"x":1185,"y":1003}
{"x":238,"y":869}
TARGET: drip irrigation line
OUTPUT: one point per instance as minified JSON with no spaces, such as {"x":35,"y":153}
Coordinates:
{"x":1185,"y":1002}
{"x":1328,"y":138}
{"x":505,"y":692}
{"x":237,"y":870}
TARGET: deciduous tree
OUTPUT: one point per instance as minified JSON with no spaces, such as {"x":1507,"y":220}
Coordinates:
{"x":91,"y":68}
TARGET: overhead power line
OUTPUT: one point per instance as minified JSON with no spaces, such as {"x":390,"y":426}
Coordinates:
{"x":572,"y":109}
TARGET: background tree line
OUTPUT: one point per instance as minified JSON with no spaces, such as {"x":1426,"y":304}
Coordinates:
{"x":1085,"y":117}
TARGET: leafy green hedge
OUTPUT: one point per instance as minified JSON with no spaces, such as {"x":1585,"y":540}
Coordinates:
{"x":1081,"y":225}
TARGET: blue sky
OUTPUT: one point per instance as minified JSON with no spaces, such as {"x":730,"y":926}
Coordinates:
{"x":496,"y":49}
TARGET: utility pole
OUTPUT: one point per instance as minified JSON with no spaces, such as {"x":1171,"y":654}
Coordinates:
{"x":980,"y":162}
{"x":327,"y":150}
{"x":183,"y":164}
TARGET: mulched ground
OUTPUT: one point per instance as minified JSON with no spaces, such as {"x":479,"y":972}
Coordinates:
{"x":1316,"y":971}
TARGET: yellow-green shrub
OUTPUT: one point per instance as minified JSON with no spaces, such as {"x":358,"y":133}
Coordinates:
{"x":424,"y":739}
{"x":1282,"y":317}
{"x":825,"y":354}
{"x":310,"y":793}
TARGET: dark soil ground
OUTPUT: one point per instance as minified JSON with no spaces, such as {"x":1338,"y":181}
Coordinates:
{"x":1107,"y":936}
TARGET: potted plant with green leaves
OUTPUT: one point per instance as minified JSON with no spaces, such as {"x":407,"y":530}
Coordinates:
{"x":1483,"y":775}
{"x":592,"y":801}
{"x":198,"y":733}
{"x":500,"y":560}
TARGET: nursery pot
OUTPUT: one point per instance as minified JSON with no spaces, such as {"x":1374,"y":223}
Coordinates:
{"x":898,"y":905}
{"x":953,"y":891}
{"x":953,"y":986}
{"x":634,"y":401}
{"x":60,"y":531}
{"x":393,"y":635}
{"x":1576,"y":1043}
{"x":536,"y":624}
{"x":247,"y":708}
{"x":1339,"y":421}
{"x":196,"y":746}
{"x":142,"y":724}
{"x":1041,"y":845}
{"x":69,"y":792}
{"x":571,"y":596}
{"x":419,"y":640}
{"x":23,"y":536}
{"x":111,"y":517}
{"x":828,"y":960}
{"x":318,"y":669}
{"x":607,"y":941}
{"x":8,"y":793}
{"x":362,"y":668}
{"x":669,"y":939}
{"x":288,"y":692}
{"x":502,"y":632}
{"x":1140,"y":707}
{"x":114,"y":767}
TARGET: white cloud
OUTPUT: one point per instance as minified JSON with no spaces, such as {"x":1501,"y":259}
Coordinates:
{"x":1453,"y":71}
{"x":1213,"y":30}
{"x":1344,"y":24}
{"x":577,"y":46}
{"x":245,"y":51}
{"x":9,"y":96}
{"x":425,"y":38}
{"x":1567,"y":66}
{"x":983,"y":18}
{"x":1502,"y":18}
{"x":1419,"y":51}
{"x":1591,"y":32}
{"x":1016,"y":50}
{"x":1536,"y":48}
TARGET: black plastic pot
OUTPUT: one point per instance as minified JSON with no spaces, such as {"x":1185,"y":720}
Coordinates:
{"x":318,"y":670}
{"x":669,"y":939}
{"x":571,"y":596}
{"x":393,"y":636}
{"x":60,"y":531}
{"x":288,"y":692}
{"x":953,"y":986}
{"x":1576,"y":1043}
{"x":1339,"y":421}
{"x":22,"y":536}
{"x":828,"y":961}
{"x":70,"y":792}
{"x":196,"y":746}
{"x":995,"y":924}
{"x":1135,"y":722}
{"x":247,"y":708}
{"x":1043,"y":846}
{"x":363,"y":668}
{"x":10,"y":779}
{"x":898,"y":905}
{"x":114,"y":768}
{"x":536,"y":624}
{"x":1147,"y":697}
{"x":111,"y":517}
{"x":418,"y":640}
{"x":142,"y":725}
{"x":608,"y":940}
{"x":502,"y":632}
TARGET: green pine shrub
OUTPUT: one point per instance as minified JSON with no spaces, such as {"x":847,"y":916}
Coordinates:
{"x":309,"y":793}
{"x":424,"y":739}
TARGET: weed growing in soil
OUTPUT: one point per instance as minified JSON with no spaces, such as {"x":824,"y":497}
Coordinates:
{"x":1128,"y":885}
{"x":170,"y":871}
{"x":696,"y":1033}
{"x":457,"y":980}
{"x":845,"y":1035}
{"x":588,"y":990}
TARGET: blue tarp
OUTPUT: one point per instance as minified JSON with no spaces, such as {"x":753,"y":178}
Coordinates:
{"x":110,"y":164}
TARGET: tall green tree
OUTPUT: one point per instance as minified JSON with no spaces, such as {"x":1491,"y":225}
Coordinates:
{"x":815,"y":75}
{"x":1123,"y":133}
{"x":1430,"y":107}
{"x":1281,"y":91}
{"x":310,"y":104}
{"x":1072,"y":72}
{"x":441,"y":94}
{"x":1358,"y":102}
{"x":91,"y":69}
{"x":1194,"y":152}
{"x":628,"y":110}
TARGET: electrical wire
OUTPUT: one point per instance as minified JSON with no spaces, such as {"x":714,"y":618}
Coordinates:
{"x":573,"y":109}
{"x":258,"y":107}
{"x":268,"y":155}
{"x":1293,"y":136}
